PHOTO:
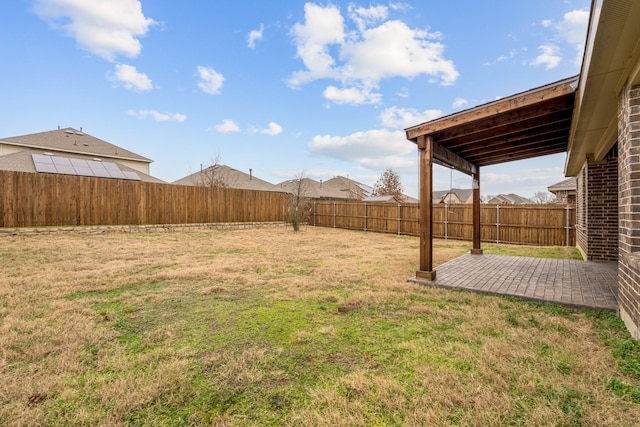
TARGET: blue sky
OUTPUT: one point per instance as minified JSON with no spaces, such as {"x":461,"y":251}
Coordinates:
{"x":324,"y":88}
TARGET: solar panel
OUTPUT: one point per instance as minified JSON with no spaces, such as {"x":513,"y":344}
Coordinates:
{"x":80,"y":167}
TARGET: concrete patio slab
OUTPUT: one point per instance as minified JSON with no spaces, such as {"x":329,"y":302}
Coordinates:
{"x":579,"y":284}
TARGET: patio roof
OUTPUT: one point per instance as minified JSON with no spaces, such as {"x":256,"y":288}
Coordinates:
{"x":529,"y":124}
{"x":525,"y":125}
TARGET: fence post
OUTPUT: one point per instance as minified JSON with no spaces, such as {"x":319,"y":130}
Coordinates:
{"x":498,"y":224}
{"x":568,"y":234}
{"x":446,"y":221}
{"x":334,"y":214}
{"x":365,"y":216}
{"x":314,"y":213}
{"x":399,"y":219}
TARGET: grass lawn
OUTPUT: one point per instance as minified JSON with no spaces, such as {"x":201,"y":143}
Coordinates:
{"x":272,"y":327}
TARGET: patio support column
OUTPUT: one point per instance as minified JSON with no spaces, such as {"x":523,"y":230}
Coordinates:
{"x":425,"y":148}
{"x":476,"y":214}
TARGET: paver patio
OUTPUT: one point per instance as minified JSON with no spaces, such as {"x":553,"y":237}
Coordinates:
{"x":581,"y":284}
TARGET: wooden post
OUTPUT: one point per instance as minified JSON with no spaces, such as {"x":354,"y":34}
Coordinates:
{"x":425,"y":148}
{"x":476,"y":214}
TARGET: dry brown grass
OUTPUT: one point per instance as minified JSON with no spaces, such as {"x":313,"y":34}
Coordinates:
{"x":255,"y":327}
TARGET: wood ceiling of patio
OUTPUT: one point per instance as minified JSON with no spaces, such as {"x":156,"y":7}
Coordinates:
{"x":529,"y":124}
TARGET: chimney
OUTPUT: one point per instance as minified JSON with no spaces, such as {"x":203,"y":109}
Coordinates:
{"x":250,"y":174}
{"x":58,"y":127}
{"x":80,"y":128}
{"x":320,"y":183}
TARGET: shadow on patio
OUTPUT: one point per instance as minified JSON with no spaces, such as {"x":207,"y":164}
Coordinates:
{"x":579,"y":284}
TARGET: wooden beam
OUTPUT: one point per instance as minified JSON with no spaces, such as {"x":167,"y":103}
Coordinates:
{"x":477,"y":230}
{"x":425,"y":148}
{"x":451,"y":159}
{"x":476,"y":134}
{"x":495,"y":108}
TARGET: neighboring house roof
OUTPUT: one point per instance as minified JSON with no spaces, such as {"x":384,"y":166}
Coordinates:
{"x":512,"y":199}
{"x":352,"y":189}
{"x":566,"y":185}
{"x":70,"y":140}
{"x":227,"y":177}
{"x":22,"y":161}
{"x":464,"y":195}
{"x":312,"y":189}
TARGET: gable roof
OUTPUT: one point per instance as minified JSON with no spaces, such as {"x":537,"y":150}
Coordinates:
{"x":566,"y":185}
{"x":70,"y":140}
{"x":510,"y":198}
{"x":22,"y":161}
{"x":231,"y":178}
{"x":313,"y":189}
{"x":462,"y":194}
{"x":352,"y":189}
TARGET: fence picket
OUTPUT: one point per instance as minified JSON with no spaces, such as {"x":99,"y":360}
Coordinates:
{"x":33,"y":200}
{"x":543,"y":225}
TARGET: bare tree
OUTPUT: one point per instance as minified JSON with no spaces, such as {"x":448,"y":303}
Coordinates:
{"x":212,"y":176}
{"x":389,"y":184}
{"x":543,"y":198}
{"x":299,"y":202}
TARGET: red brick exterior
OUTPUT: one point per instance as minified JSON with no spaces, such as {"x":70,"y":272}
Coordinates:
{"x":597,"y":209}
{"x":629,"y":193}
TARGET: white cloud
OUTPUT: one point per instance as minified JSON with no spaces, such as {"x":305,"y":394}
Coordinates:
{"x":365,"y":17}
{"x":227,"y":126}
{"x":158,"y":117}
{"x":323,"y":26}
{"x":459,"y":102}
{"x":352,"y":56}
{"x":254,"y":36}
{"x":273,"y":129}
{"x":210,"y":80}
{"x":573,"y":29}
{"x":105,"y":28}
{"x":130,"y":78}
{"x":373,"y":149}
{"x":573,"y":26}
{"x":353,"y":96}
{"x":550,"y":56}
{"x":403,"y":93}
{"x":399,"y":6}
{"x":402,"y":118}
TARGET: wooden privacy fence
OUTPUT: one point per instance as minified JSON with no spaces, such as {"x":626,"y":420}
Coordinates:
{"x":543,"y":225}
{"x":37,"y":199}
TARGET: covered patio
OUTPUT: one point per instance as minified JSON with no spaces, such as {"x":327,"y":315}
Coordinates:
{"x":526,"y":125}
{"x":573,"y":283}
{"x":529,"y":124}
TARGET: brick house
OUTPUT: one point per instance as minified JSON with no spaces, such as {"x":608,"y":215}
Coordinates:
{"x":604,"y":145}
{"x":565,"y":191}
{"x":593,"y":117}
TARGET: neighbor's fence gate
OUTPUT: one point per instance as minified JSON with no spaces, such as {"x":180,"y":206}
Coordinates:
{"x":544,"y":225}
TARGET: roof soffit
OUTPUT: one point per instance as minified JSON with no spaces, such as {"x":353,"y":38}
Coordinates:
{"x":611,"y":62}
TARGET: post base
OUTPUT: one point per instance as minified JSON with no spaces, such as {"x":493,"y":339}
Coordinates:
{"x":426,"y":275}
{"x":476,"y":251}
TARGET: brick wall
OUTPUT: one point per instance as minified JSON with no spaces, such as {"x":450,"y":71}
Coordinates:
{"x":581,"y":210}
{"x":629,"y":208}
{"x":597,"y":208}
